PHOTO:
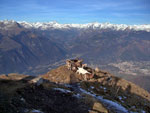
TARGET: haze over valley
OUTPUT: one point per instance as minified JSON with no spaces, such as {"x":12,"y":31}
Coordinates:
{"x":35,"y":48}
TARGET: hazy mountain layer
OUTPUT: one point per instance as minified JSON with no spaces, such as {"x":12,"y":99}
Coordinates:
{"x":34,"y":48}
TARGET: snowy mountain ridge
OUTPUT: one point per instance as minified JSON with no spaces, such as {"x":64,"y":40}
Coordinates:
{"x":5,"y":24}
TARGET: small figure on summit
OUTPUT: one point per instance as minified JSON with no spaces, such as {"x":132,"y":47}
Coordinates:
{"x":76,"y":65}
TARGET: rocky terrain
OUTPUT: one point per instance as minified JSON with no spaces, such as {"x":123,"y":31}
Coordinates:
{"x":136,"y":72}
{"x":62,"y":90}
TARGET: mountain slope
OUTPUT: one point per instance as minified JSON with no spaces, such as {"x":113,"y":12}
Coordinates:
{"x":21,"y":51}
{"x":34,"y":48}
{"x":108,"y":46}
{"x":104,"y":93}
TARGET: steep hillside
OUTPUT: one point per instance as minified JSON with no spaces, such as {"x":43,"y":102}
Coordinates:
{"x":105,"y":46}
{"x":36,"y":45}
{"x":21,"y":50}
{"x":61,"y":90}
{"x":142,"y":81}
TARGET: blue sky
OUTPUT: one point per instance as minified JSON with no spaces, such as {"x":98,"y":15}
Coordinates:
{"x":77,"y":11}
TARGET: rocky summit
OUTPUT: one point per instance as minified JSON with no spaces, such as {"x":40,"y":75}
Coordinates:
{"x":64,"y":91}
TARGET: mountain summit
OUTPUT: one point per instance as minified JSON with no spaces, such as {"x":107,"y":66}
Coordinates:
{"x":64,"y":90}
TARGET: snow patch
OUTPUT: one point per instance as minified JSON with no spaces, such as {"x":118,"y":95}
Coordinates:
{"x":22,"y":99}
{"x":62,"y":90}
{"x":114,"y":105}
{"x":103,"y":88}
{"x":110,"y":104}
{"x":92,"y":87}
{"x":142,"y":111}
{"x":36,"y":111}
{"x":77,"y":95}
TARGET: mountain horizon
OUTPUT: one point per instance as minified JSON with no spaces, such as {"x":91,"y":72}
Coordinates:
{"x":83,"y":25}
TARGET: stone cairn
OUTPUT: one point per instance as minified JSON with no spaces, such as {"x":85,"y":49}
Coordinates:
{"x":76,"y":66}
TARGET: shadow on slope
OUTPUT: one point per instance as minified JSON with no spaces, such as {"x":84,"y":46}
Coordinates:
{"x":113,"y":88}
{"x":19,"y":95}
{"x":62,"y":89}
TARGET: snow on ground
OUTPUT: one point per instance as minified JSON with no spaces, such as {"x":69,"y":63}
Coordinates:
{"x":113,"y":105}
{"x":77,"y":95}
{"x":143,"y":111}
{"x":92,"y":87}
{"x":62,"y":90}
{"x":103,"y":88}
{"x":22,"y":99}
{"x":110,"y":104}
{"x":36,"y":111}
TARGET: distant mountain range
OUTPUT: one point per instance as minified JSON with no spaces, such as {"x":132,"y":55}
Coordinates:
{"x":95,"y":25}
{"x":34,"y":48}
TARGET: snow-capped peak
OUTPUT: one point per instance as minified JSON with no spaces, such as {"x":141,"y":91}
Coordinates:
{"x":94,"y":25}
